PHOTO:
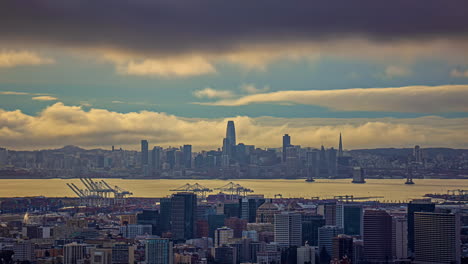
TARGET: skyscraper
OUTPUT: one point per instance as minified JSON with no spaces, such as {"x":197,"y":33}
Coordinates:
{"x":158,"y":251}
{"x":286,"y":144}
{"x":325,"y":240}
{"x":288,"y":229}
{"x":150,"y":217}
{"x":343,"y":247}
{"x":436,"y":238}
{"x":231,"y":133}
{"x":416,"y":206}
{"x":310,"y":225}
{"x":222,"y":236}
{"x":349,"y":217}
{"x":377,"y":236}
{"x":187,"y":156}
{"x":183,"y":214}
{"x":156,"y":158}
{"x":144,"y":152}
{"x":340,"y":148}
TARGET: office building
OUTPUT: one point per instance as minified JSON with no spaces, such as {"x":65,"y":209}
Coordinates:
{"x":132,"y":231}
{"x":225,"y":255}
{"x":286,"y":144}
{"x":288,"y":229}
{"x":23,"y":251}
{"x":231,"y":134}
{"x":310,"y":225}
{"x":150,"y":217}
{"x":73,"y":253}
{"x":416,"y":206}
{"x":144,"y":153}
{"x":183,"y":214}
{"x":343,"y":248}
{"x":222,"y":236}
{"x":400,"y":238}
{"x":187,"y":153}
{"x":248,"y":208}
{"x":165,"y":209}
{"x":122,"y":253}
{"x":436,"y":238}
{"x":377,"y":236}
{"x":158,"y":251}
{"x":156,"y":159}
{"x":306,"y":254}
{"x":349,"y":217}
{"x":101,"y":255}
{"x":325,"y":240}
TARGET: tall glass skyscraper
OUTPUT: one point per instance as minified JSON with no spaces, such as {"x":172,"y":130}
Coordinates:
{"x":144,"y":152}
{"x":231,"y":133}
{"x":183,"y":214}
{"x":158,"y":251}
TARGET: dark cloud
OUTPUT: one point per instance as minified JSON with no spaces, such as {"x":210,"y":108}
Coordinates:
{"x":173,"y":26}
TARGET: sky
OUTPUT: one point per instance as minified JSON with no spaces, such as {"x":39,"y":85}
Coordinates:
{"x":103,"y":73}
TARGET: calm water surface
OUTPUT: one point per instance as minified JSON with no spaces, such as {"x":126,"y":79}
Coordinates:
{"x":389,"y":189}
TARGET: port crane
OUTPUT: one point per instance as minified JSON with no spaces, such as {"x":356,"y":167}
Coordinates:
{"x":196,"y":188}
{"x":99,"y":193}
{"x":235,"y":189}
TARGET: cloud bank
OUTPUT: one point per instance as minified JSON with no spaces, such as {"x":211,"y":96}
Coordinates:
{"x":59,"y":125}
{"x":417,"y":99}
{"x":10,"y":59}
{"x":169,"y":38}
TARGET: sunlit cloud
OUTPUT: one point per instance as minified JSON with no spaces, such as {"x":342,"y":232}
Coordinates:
{"x":9,"y":59}
{"x":459,"y":73}
{"x":252,"y":89}
{"x":417,"y":99}
{"x":212,"y":93}
{"x":59,"y":125}
{"x":45,"y":98}
{"x":396,"y":71}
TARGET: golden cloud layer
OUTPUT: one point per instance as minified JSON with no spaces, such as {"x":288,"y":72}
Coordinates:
{"x":59,"y":125}
{"x":9,"y":59}
{"x":418,"y":99}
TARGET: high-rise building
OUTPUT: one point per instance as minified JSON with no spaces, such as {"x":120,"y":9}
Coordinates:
{"x":248,"y":208}
{"x":340,"y":148}
{"x":187,"y":156}
{"x":225,"y":255}
{"x":286,"y":144}
{"x":122,"y":253}
{"x":325,"y":240}
{"x":222,"y":236}
{"x":416,"y":206}
{"x":150,"y":217}
{"x":288,"y":229}
{"x":343,"y":247}
{"x":183,"y":214}
{"x":156,"y":158}
{"x":73,"y":253}
{"x":215,"y":221}
{"x":436,"y":238}
{"x":349,"y":217}
{"x":400,"y":238}
{"x":377,"y":236}
{"x":306,"y":254}
{"x":331,"y":162}
{"x":417,"y":154}
{"x":165,"y":209}
{"x":23,"y":251}
{"x":158,"y":251}
{"x":310,"y":226}
{"x":231,"y":133}
{"x":144,"y":152}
